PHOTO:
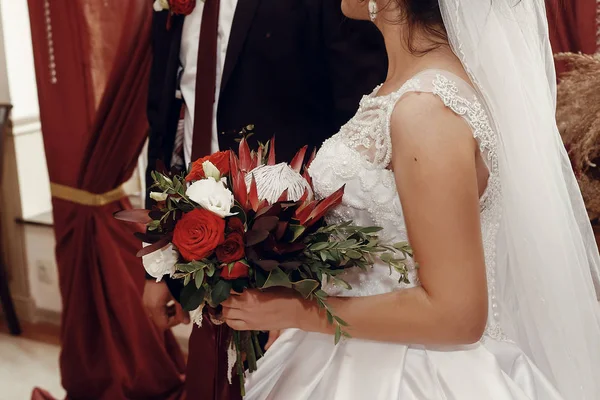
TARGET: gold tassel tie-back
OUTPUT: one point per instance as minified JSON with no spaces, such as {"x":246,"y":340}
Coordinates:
{"x":84,"y":197}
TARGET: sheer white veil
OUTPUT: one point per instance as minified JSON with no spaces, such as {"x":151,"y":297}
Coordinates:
{"x":547,"y":258}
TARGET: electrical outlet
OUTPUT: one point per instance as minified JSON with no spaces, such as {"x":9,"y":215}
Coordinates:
{"x":44,"y":272}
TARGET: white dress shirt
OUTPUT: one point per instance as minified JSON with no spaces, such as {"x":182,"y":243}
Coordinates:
{"x":188,"y":55}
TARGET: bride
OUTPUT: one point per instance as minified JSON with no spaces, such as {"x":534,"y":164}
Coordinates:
{"x":457,"y":152}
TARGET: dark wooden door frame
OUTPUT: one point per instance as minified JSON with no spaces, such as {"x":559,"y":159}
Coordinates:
{"x":5,"y":298}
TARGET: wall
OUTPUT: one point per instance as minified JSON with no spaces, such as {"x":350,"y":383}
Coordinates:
{"x":31,"y":160}
{"x":25,"y":186}
{"x":4,"y":94}
{"x":43,"y":273}
{"x":13,"y":243}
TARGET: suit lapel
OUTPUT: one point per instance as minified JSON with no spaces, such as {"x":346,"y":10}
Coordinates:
{"x":176,"y":32}
{"x":242,"y":20}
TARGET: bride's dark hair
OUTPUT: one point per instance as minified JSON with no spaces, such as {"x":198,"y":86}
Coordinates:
{"x":426,"y":16}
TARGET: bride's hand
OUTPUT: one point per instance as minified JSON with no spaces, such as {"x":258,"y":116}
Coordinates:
{"x":269,"y":310}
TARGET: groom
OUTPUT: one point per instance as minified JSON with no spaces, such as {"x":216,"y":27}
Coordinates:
{"x":294,"y":68}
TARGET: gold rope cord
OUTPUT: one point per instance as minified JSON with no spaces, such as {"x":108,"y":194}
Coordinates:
{"x":84,"y":197}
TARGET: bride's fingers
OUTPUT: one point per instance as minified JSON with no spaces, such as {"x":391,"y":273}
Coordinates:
{"x":237,"y":324}
{"x":233,"y":302}
{"x":231,"y":313}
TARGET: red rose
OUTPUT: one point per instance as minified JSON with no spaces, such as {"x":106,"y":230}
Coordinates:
{"x":235,"y":224}
{"x":239,"y":270}
{"x":219,"y":159}
{"x":182,"y":7}
{"x":198,"y":234}
{"x":233,"y":248}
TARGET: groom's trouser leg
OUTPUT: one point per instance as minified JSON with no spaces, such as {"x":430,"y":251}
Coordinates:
{"x":206,"y":376}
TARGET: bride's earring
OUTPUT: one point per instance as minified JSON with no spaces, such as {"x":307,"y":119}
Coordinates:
{"x":372,"y":10}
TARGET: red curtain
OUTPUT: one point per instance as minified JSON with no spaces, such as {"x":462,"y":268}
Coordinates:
{"x":573,"y":26}
{"x":92,"y":60}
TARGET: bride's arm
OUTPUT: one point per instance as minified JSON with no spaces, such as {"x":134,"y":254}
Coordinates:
{"x":434,"y":161}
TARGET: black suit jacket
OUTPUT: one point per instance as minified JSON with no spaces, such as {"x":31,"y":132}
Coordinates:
{"x":295,"y":69}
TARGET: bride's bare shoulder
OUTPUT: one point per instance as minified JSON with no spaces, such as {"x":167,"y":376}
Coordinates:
{"x":420,"y":120}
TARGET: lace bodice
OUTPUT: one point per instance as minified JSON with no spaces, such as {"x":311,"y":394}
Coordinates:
{"x":359,"y":156}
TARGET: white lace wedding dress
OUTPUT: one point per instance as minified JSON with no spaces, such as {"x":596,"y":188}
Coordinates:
{"x":302,"y":365}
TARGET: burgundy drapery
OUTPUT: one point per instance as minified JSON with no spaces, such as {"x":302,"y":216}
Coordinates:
{"x":573,"y":26}
{"x":94,"y":126}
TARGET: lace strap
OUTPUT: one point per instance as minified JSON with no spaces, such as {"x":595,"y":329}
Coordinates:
{"x":370,"y":132}
{"x":458,"y":96}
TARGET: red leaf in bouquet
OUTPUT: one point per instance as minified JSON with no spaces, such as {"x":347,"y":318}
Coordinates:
{"x":267,"y":223}
{"x":285,"y":248}
{"x":245,"y":156}
{"x":240,"y":190}
{"x":304,"y":196}
{"x":154,"y":247}
{"x":268,"y":265}
{"x":307,"y":176}
{"x":281,"y":229}
{"x":260,"y":153}
{"x":325,"y":205}
{"x":234,"y":162}
{"x":298,"y":159}
{"x":274,"y":209}
{"x":263,"y":211}
{"x":253,"y":195}
{"x":283,"y":197}
{"x":311,"y":159}
{"x":290,"y":265}
{"x":148,"y":236}
{"x":258,"y":159}
{"x":238,"y":183}
{"x":303,"y":212}
{"x":255,"y":237}
{"x":253,"y":159}
{"x":262,"y":205}
{"x":236,"y":271}
{"x":271,"y":160}
{"x":137,"y":216}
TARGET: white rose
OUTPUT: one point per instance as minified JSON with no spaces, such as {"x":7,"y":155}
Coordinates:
{"x":212,"y":195}
{"x":211,"y":171}
{"x":161,"y":262}
{"x":158,"y":196}
{"x":160,"y":5}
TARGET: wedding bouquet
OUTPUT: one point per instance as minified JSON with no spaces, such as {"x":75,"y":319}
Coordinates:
{"x":244,"y":222}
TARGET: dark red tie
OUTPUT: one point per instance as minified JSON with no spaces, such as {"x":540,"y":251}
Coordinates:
{"x":206,"y":77}
{"x":207,"y":361}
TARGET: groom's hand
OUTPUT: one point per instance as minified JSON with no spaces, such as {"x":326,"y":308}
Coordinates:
{"x":162,"y":309}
